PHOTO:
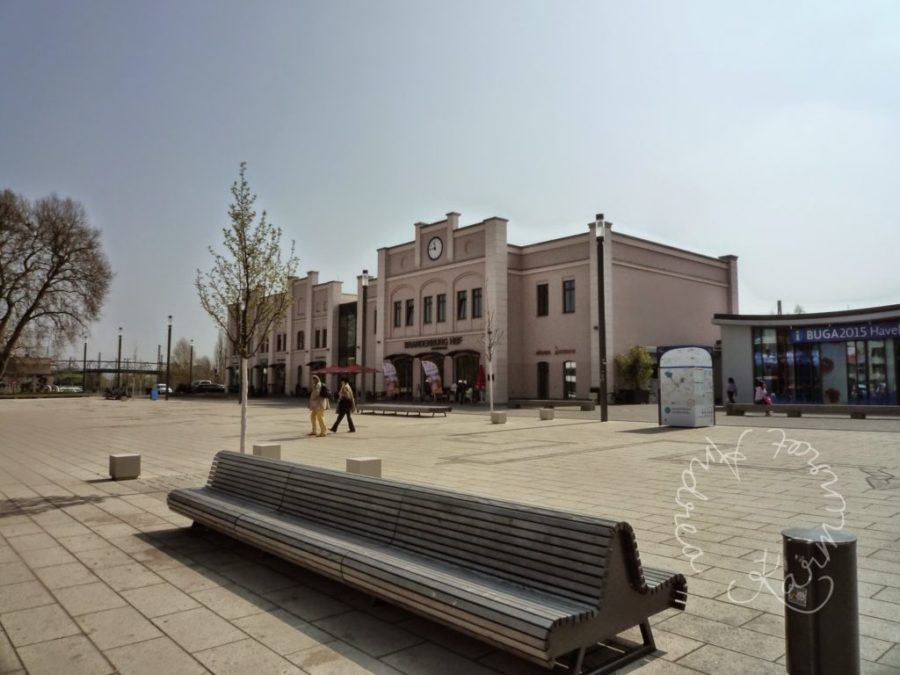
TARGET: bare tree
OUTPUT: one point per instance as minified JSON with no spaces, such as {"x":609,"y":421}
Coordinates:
{"x":491,"y":338}
{"x":180,"y":362}
{"x":247,"y":288}
{"x":203,"y":369}
{"x":54,"y":275}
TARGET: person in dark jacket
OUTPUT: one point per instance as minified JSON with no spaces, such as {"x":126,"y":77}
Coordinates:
{"x":346,"y":406}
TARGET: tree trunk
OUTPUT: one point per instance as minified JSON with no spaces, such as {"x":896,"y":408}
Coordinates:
{"x":243,"y":403}
{"x":491,"y":383}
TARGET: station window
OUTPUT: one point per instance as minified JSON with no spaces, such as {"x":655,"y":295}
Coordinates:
{"x":441,"y":307}
{"x":543,"y":299}
{"x":301,"y":340}
{"x":476,"y":303}
{"x":427,"y":309}
{"x":410,"y":312}
{"x":568,"y":296}
{"x":398,"y":314}
{"x":461,"y":305}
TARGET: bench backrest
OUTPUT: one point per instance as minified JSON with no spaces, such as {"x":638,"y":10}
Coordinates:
{"x":559,"y":553}
{"x":357,"y":504}
{"x":256,"y":479}
{"x":551,"y":551}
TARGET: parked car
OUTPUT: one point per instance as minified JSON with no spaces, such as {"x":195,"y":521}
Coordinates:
{"x":207,"y":387}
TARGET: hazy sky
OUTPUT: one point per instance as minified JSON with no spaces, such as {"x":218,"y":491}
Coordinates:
{"x":769,"y":130}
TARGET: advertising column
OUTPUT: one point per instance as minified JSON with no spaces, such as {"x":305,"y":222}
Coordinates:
{"x":686,"y":387}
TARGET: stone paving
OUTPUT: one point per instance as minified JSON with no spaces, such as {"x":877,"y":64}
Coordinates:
{"x":100,"y":577}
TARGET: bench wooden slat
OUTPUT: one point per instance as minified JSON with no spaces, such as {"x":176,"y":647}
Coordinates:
{"x":525,"y":515}
{"x":482,"y":592}
{"x":468,"y":529}
{"x":344,"y":503}
{"x":500,"y":548}
{"x":259,"y":479}
{"x":463,"y":621}
{"x":492,"y":551}
{"x":558,"y":532}
{"x":506,"y":620}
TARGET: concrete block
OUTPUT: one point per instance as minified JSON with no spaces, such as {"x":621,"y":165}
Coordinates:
{"x":365,"y":466}
{"x":124,"y":465}
{"x":270,"y":450}
{"x":588,"y":406}
{"x":498,"y":417}
{"x":547,"y":413}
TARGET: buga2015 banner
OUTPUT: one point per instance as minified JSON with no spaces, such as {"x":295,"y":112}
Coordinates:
{"x":862,"y":331}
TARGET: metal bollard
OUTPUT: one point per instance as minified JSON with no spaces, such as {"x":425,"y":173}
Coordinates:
{"x":821,"y":602}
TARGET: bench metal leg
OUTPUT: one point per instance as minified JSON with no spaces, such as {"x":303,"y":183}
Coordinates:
{"x":630,"y":653}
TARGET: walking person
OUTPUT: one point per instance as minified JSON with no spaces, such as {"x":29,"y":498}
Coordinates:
{"x":346,"y":406}
{"x":731,"y":390}
{"x":317,"y":405}
{"x":761,"y":396}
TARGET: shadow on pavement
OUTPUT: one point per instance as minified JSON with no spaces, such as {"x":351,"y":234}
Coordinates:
{"x":32,"y":505}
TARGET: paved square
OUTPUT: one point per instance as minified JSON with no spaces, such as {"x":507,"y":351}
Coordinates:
{"x":99,"y":576}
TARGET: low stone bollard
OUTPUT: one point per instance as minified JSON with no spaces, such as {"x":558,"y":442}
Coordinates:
{"x":589,"y":406}
{"x":547,"y":413}
{"x":364,"y":466}
{"x":498,"y":417}
{"x":270,"y":450}
{"x":124,"y":466}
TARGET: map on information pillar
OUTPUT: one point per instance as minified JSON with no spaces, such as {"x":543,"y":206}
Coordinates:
{"x":686,"y":387}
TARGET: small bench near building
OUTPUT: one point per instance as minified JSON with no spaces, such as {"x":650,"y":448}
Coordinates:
{"x":407,"y":408}
{"x":545,"y":585}
{"x":585,"y":404}
{"x":799,"y":409}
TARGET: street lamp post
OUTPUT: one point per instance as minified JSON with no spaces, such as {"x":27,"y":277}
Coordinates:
{"x":191,"y":366}
{"x":119,"y":360}
{"x":601,"y":311}
{"x":84,"y":366}
{"x":364,"y":280}
{"x":168,"y":355}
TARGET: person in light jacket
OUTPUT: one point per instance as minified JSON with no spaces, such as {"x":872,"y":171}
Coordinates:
{"x":346,"y":406}
{"x":317,"y":405}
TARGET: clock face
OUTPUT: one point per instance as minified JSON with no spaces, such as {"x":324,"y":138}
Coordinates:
{"x":435,"y":248}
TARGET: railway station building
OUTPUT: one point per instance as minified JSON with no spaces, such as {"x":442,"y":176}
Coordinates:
{"x":435,"y":297}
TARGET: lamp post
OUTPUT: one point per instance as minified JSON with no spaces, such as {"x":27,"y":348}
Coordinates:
{"x":119,"y":359}
{"x":364,"y":280}
{"x":84,"y":366}
{"x":168,"y":355}
{"x":601,"y":310}
{"x":191,"y":366}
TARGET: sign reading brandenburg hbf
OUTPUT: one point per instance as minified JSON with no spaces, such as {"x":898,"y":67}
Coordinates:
{"x":433,"y":343}
{"x":859,"y":331}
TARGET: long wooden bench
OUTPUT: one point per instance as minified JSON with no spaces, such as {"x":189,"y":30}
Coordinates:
{"x":408,"y":408}
{"x":798,"y":409}
{"x":545,"y":585}
{"x":583,"y":403}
